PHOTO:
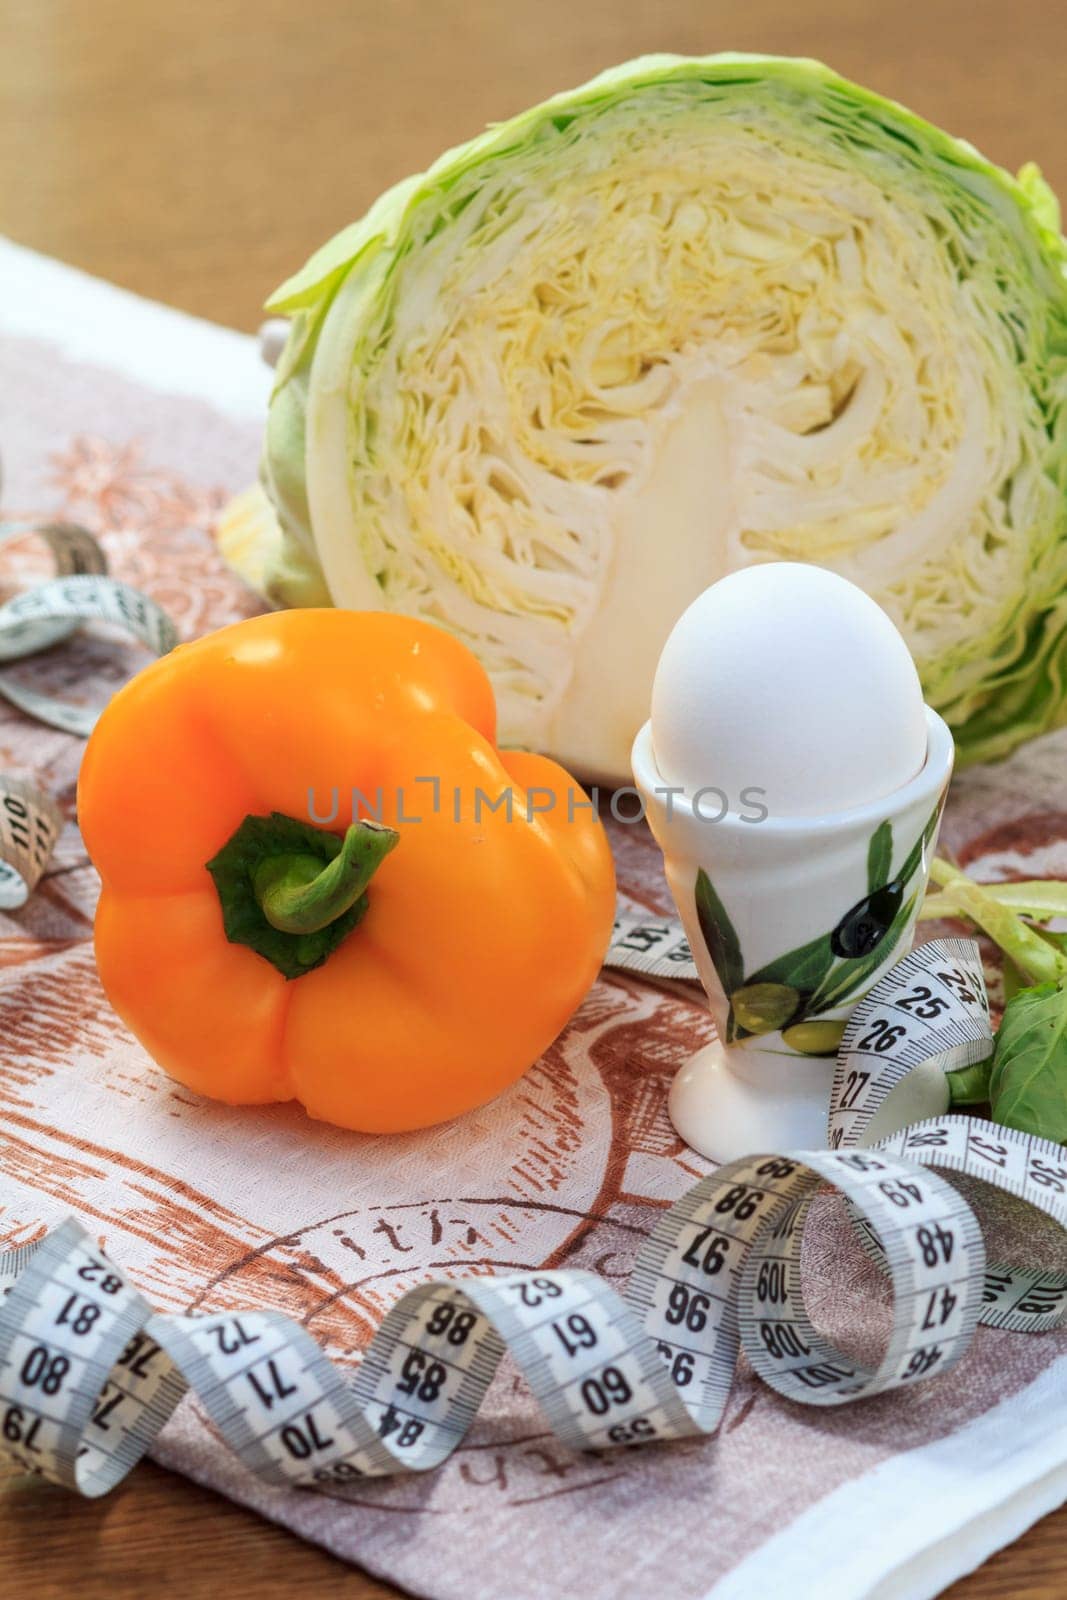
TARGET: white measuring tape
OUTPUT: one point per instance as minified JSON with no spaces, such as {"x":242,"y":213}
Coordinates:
{"x":89,"y":1373}
{"x":81,"y":591}
{"x":654,"y":947}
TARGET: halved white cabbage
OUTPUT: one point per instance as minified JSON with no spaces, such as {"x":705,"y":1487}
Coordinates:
{"x":696,"y":314}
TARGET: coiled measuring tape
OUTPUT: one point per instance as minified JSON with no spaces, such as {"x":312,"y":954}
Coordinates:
{"x":80,"y":591}
{"x":89,"y":1373}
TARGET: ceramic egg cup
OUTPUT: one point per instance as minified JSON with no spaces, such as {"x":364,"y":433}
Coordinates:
{"x":790,"y":921}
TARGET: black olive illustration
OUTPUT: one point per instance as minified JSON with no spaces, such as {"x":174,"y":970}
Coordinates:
{"x":866,"y":925}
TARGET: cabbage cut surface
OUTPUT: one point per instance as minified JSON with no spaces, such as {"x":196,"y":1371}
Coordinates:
{"x":696,"y":314}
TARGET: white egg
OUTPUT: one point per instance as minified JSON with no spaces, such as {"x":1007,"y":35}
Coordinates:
{"x":787,"y":678}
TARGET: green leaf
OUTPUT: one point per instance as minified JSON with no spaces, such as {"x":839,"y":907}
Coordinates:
{"x":1014,"y":982}
{"x":1028,"y":1083}
{"x":724,"y":947}
{"x":879,"y":856}
{"x":802,"y":969}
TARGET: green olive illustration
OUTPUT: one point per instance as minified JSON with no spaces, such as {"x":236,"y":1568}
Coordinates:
{"x":814,"y":1038}
{"x":764,"y":1007}
{"x":864,"y":927}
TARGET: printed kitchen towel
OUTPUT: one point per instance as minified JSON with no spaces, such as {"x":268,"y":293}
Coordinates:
{"x":139,"y":422}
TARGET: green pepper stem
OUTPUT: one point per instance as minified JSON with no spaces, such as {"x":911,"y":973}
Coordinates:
{"x":297,"y":894}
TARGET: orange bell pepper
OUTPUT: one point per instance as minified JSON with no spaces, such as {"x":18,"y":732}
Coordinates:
{"x":322,"y":881}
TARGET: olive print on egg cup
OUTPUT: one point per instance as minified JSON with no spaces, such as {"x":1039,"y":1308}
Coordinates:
{"x":793,"y":994}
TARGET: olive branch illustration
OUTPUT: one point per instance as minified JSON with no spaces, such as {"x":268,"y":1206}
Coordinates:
{"x":792,"y":991}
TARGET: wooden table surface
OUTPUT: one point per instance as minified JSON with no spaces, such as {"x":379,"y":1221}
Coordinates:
{"x":197,"y":152}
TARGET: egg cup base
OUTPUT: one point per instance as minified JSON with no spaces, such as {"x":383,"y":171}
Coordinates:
{"x":722,"y":1114}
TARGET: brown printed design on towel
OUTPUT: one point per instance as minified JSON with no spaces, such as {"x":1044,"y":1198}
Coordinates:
{"x":214,"y":1207}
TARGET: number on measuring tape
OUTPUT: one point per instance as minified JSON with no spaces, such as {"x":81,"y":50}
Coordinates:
{"x":930,"y":1010}
{"x":654,"y":947}
{"x":30,"y":824}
